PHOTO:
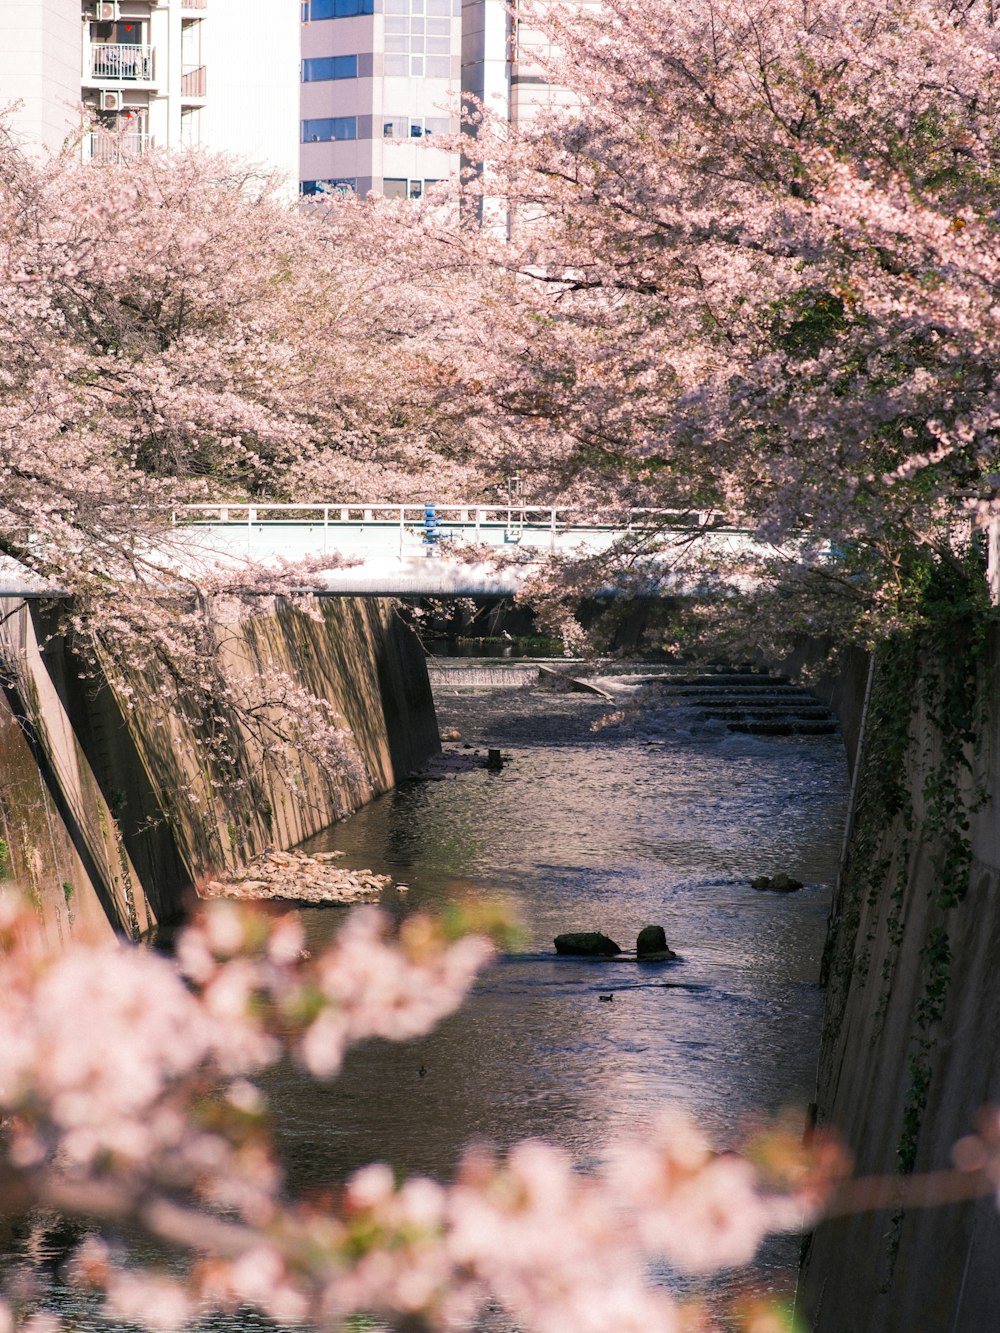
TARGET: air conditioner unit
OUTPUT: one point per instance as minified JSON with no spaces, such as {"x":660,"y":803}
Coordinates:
{"x":107,"y":11}
{"x":112,"y":101}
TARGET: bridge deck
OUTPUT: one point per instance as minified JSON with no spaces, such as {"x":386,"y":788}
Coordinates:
{"x":442,"y":550}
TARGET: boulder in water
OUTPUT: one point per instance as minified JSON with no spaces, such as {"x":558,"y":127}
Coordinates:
{"x":586,"y":944}
{"x":651,"y":945}
{"x":776,"y":883}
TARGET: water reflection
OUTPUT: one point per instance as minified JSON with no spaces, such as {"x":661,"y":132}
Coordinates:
{"x":659,"y":820}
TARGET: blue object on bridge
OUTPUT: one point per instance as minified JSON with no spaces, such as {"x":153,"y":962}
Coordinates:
{"x":431,"y":529}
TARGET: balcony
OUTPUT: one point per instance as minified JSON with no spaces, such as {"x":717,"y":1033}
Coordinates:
{"x":121,"y":63}
{"x":109,"y":149}
{"x":193,"y":81}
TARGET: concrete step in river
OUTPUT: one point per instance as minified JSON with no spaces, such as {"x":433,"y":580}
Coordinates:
{"x":751,"y":701}
{"x":746,"y":700}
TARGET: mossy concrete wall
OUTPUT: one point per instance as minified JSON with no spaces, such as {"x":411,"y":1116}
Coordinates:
{"x":111,"y":813}
{"x":911,"y":1046}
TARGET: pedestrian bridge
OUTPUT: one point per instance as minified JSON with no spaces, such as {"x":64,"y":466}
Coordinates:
{"x":462,"y":550}
{"x":448,"y":550}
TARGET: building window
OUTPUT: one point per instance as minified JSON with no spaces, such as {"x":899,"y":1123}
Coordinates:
{"x":329,"y":67}
{"x":127,"y":32}
{"x":332,"y":127}
{"x":340,"y":9}
{"x":396,"y":188}
{"x":409,"y":33}
{"x":341,"y":186}
{"x":191,"y":126}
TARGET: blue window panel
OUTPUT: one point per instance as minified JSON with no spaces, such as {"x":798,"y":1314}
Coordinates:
{"x":329,"y":67}
{"x":340,"y":9}
{"x":328,"y":187}
{"x":331,"y":127}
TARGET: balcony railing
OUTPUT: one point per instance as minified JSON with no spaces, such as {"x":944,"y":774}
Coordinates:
{"x":112,"y":149}
{"x":121,"y":62}
{"x":193,"y":81}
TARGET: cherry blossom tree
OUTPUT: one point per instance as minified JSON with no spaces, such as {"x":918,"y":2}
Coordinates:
{"x":756,"y":259}
{"x":130,"y":1105}
{"x":172,"y":332}
{"x":128,"y":1096}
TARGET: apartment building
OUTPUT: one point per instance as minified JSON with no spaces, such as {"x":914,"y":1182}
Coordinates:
{"x":122,"y":76}
{"x":382,"y":78}
{"x":380,"y":81}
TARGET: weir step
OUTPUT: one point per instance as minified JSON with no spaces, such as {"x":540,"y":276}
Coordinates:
{"x":721,"y":680}
{"x":783,"y":692}
{"x":788,"y":728}
{"x":805,"y":711}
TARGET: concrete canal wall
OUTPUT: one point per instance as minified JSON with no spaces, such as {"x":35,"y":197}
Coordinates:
{"x":109,"y":814}
{"x":911,"y":1047}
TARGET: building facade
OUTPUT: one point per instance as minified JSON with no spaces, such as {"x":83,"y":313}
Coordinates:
{"x":123,"y":76}
{"x":380,"y":82}
{"x":334,"y":95}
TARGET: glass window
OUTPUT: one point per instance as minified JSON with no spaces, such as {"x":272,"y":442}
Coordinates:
{"x":416,"y":43}
{"x":416,"y":189}
{"x":338,"y":186}
{"x":439,"y":27}
{"x":340,"y":9}
{"x":395,"y":128}
{"x":416,"y":129}
{"x":439,"y":67}
{"x":332,"y":127}
{"x":127,"y":32}
{"x":396,"y":65}
{"x":329,"y":67}
{"x":439,"y":46}
{"x":397,"y":6}
{"x":393,"y":43}
{"x":417,"y":66}
{"x":395,"y":189}
{"x":440,"y":8}
{"x":417,"y":25}
{"x":436,"y":125}
{"x":397,"y":25}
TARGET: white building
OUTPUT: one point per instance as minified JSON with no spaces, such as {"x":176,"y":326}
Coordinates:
{"x":380,"y":78}
{"x":127,"y":75}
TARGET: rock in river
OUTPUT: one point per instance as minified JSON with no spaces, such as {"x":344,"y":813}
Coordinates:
{"x":778,"y":884}
{"x":586,"y":944}
{"x":651,"y":945}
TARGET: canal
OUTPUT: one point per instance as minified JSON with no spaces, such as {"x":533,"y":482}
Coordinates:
{"x":606,"y":816}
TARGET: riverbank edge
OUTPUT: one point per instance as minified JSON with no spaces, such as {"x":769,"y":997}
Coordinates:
{"x":111,"y":814}
{"x":911,"y":1042}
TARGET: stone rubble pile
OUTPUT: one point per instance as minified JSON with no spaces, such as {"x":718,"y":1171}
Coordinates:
{"x":301,"y":878}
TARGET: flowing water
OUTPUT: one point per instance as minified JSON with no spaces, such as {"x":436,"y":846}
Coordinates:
{"x":658,"y":818}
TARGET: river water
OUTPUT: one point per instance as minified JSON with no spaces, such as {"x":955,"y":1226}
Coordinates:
{"x":656,"y":818}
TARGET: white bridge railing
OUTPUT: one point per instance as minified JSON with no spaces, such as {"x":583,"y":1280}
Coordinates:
{"x":475,"y":516}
